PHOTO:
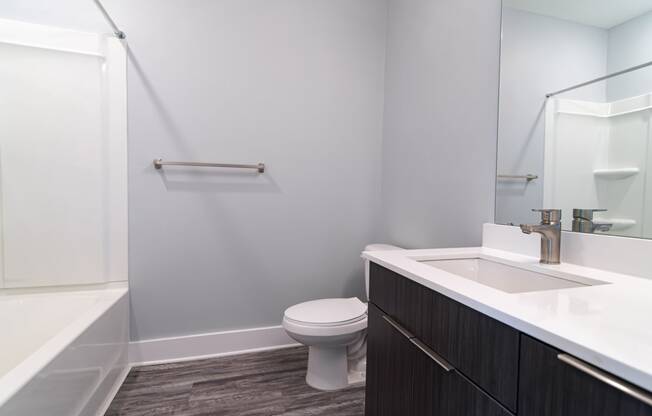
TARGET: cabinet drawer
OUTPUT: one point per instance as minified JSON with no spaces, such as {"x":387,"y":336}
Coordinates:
{"x":550,"y":386}
{"x":402,"y":379}
{"x":483,"y":349}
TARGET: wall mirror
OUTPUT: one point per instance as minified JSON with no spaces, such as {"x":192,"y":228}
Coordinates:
{"x":575,"y":124}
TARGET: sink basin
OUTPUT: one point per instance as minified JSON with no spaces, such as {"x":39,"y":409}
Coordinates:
{"x":509,"y":279}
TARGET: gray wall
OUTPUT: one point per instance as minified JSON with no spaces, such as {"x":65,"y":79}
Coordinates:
{"x":299,"y":85}
{"x":539,"y":55}
{"x":296,"y":84}
{"x":629,"y":45}
{"x":440,"y":120}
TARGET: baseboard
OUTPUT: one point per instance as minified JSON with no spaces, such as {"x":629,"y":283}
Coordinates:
{"x":114,"y":391}
{"x":216,"y":344}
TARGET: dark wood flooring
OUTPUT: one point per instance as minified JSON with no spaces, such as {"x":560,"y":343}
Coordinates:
{"x":270,"y":383}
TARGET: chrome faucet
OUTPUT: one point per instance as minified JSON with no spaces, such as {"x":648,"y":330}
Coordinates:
{"x":550,"y":230}
{"x":583,"y":221}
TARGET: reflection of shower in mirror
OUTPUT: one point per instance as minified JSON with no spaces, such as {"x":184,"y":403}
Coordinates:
{"x":596,"y":155}
{"x":575,"y":112}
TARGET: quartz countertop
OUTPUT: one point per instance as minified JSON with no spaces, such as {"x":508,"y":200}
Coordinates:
{"x":608,"y":326}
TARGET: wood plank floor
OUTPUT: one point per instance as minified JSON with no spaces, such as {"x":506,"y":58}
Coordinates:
{"x":267,"y":383}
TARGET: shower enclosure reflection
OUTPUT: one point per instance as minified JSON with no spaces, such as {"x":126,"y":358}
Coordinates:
{"x":584,"y":135}
{"x":597,"y":156}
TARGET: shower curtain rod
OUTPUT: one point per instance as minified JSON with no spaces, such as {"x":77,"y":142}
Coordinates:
{"x":116,"y":31}
{"x":593,"y":81}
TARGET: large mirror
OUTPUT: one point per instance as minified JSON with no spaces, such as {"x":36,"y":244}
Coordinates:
{"x":575,"y":125}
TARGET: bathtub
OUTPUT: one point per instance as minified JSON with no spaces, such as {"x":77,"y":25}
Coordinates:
{"x":62,"y":353}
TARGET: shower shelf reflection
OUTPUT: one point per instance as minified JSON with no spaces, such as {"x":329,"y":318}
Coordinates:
{"x":619,"y":173}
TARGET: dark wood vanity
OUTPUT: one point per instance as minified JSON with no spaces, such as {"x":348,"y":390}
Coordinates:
{"x":430,"y":355}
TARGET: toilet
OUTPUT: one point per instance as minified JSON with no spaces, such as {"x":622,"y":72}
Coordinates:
{"x":335,"y":330}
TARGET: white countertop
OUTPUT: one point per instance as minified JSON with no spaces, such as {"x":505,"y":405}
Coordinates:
{"x":608,"y":326}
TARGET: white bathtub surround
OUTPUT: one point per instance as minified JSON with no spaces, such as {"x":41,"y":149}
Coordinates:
{"x":208,"y":345}
{"x":605,"y":325}
{"x":63,"y":206}
{"x":63,"y":164}
{"x":68,"y":353}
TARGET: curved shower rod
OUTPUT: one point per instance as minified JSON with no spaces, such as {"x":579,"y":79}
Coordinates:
{"x":116,"y":30}
{"x":593,"y":81}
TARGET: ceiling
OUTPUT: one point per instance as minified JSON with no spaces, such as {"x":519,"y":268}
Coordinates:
{"x":601,"y":13}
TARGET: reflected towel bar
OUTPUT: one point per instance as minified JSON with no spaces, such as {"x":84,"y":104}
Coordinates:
{"x":159,"y":163}
{"x":529,"y":177}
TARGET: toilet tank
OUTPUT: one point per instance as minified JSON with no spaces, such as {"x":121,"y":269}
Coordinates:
{"x":374,"y":247}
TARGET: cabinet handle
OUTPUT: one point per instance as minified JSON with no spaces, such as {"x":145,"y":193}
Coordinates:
{"x":407,"y":334}
{"x":432,"y":355}
{"x":600,"y":375}
{"x":420,"y":345}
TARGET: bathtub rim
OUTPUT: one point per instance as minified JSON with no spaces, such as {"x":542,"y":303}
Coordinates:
{"x":18,"y":377}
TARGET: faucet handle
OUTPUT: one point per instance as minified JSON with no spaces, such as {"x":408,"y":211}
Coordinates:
{"x":549,"y":216}
{"x":586,"y":214}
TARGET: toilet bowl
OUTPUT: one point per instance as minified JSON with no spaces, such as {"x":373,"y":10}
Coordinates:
{"x":335,"y":330}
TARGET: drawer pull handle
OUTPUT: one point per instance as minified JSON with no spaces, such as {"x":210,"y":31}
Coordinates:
{"x":420,"y":345}
{"x":600,"y":375}
{"x":432,"y":355}
{"x":398,"y":327}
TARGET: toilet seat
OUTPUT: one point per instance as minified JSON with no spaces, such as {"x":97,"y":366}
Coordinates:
{"x":326,"y":317}
{"x":327,"y":312}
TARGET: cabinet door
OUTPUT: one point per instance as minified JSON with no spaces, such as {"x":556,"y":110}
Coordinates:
{"x":465,"y":399}
{"x":550,"y":386}
{"x":400,"y":379}
{"x":404,"y":380}
{"x":483,"y":349}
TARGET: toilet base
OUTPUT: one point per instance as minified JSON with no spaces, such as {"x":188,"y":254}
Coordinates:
{"x":337,"y":367}
{"x":327,"y":368}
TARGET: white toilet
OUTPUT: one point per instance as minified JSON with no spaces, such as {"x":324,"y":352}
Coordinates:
{"x":336,"y":332}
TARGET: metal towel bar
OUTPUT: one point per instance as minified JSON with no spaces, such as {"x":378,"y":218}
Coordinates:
{"x":529,"y":177}
{"x":159,"y":163}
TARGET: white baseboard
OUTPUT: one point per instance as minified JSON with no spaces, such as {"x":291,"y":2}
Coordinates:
{"x":192,"y":347}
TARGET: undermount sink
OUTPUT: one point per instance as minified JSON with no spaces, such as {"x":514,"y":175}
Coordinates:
{"x":507,"y":278}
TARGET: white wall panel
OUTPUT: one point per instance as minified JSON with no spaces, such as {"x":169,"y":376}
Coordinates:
{"x":62,"y":157}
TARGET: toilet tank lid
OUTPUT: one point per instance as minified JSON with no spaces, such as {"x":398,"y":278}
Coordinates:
{"x":381,"y":247}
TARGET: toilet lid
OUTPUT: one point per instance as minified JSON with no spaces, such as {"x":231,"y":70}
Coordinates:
{"x":328,"y":311}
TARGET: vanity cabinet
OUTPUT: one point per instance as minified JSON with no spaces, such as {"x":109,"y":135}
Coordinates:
{"x":483,"y":349}
{"x":430,"y":355}
{"x":403,"y":379}
{"x":550,"y":386}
